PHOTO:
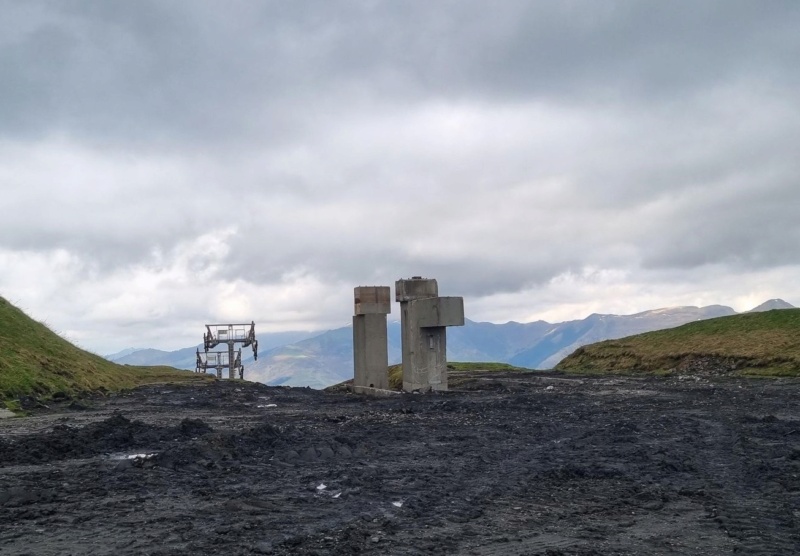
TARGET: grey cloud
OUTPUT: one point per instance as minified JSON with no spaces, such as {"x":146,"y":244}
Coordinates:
{"x":204,"y":72}
{"x":28,"y":69}
{"x":745,"y":229}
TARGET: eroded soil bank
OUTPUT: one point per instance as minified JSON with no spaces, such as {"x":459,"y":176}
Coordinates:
{"x":509,"y":465}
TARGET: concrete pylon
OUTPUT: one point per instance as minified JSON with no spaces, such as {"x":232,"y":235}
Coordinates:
{"x":370,"y":342}
{"x":424,"y":317}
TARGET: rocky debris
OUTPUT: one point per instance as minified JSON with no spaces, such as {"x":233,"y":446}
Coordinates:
{"x":113,"y":434}
{"x":709,"y":365}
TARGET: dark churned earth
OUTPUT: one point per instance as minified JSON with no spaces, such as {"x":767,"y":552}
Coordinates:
{"x":509,"y":464}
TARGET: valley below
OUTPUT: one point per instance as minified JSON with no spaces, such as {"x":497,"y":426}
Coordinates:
{"x":503,"y":464}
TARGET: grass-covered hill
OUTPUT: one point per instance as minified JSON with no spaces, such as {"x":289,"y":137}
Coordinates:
{"x":765,"y":344}
{"x":34,"y":361}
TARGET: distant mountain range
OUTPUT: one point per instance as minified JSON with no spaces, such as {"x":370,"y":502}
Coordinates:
{"x":321,"y":359}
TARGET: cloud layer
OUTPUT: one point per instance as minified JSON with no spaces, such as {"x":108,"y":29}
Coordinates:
{"x":169,"y":164}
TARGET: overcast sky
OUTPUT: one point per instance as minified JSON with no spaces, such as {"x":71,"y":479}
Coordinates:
{"x":165,"y":164}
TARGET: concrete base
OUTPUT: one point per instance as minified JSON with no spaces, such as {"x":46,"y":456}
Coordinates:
{"x":418,"y":387}
{"x":374,"y":391}
{"x":425,"y":360}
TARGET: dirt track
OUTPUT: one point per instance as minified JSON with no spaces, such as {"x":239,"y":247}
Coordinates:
{"x":510,"y":465}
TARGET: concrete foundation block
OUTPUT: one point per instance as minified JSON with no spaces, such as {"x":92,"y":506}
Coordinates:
{"x":375,"y":391}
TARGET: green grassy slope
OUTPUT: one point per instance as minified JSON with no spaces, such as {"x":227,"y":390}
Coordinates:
{"x":36,"y":361}
{"x":765,"y":343}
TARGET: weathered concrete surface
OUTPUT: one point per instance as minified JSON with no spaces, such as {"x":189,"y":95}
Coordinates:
{"x":375,"y":391}
{"x":510,"y":464}
{"x":370,"y":351}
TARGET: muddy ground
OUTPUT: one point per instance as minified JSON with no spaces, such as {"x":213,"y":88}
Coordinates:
{"x":508,"y":465}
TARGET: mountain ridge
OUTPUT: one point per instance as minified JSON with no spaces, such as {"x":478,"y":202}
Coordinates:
{"x":326,"y":358}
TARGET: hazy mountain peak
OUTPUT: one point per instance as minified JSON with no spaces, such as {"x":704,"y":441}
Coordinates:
{"x":123,"y":353}
{"x":664,"y":310}
{"x":772,"y":304}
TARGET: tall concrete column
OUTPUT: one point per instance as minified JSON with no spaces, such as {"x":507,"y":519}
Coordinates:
{"x":370,"y":342}
{"x":424,"y":317}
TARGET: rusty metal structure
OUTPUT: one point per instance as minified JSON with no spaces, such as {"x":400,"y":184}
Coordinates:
{"x":230,"y":334}
{"x":219,"y":360}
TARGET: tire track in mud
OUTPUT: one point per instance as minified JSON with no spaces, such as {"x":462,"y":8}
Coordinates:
{"x":754,"y":500}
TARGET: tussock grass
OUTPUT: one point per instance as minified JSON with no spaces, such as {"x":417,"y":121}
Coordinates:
{"x":35,"y":361}
{"x":757,"y":344}
{"x":396,"y":377}
{"x":474,"y":367}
